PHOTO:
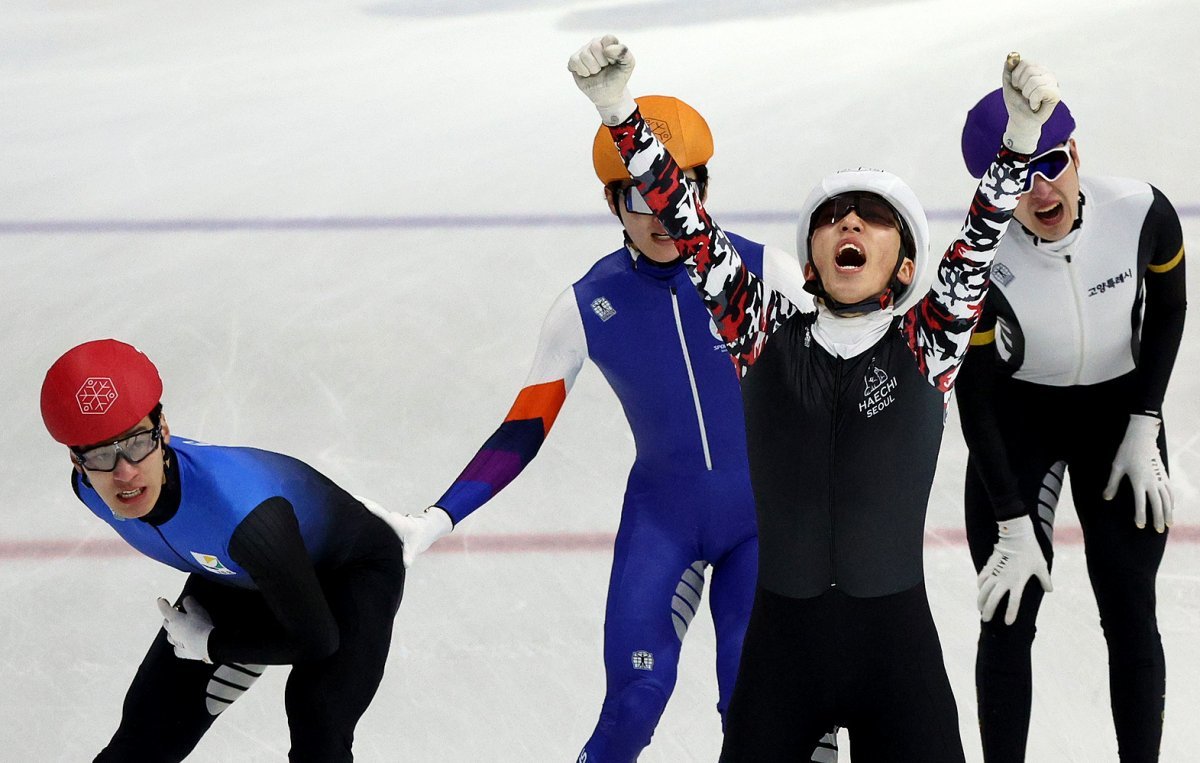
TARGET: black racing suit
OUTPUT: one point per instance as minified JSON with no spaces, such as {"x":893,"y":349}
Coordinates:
{"x":1076,"y":335}
{"x":842,"y":452}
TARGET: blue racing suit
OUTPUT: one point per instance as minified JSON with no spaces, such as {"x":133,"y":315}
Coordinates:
{"x":688,"y":503}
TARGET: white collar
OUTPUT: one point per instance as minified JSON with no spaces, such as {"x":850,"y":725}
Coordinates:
{"x":848,"y":336}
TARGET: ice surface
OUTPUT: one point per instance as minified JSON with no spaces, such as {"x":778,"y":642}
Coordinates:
{"x":336,"y":228}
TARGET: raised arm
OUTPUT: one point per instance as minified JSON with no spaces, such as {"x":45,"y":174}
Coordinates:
{"x":939,"y":327}
{"x":745,"y":311}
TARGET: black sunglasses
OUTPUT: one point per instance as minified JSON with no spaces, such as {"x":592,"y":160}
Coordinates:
{"x":868,"y":206}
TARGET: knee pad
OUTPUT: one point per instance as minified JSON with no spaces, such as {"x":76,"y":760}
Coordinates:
{"x":228,"y":682}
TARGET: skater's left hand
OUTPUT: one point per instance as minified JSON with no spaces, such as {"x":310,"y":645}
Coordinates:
{"x":187,"y":628}
{"x":1139,"y":460}
{"x":601,"y":70}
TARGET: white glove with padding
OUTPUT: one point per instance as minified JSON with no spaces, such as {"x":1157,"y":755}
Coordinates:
{"x":1016,"y":558}
{"x":1139,"y":460}
{"x":188,"y":628}
{"x":1030,"y":94}
{"x":417,"y":532}
{"x":601,"y":70}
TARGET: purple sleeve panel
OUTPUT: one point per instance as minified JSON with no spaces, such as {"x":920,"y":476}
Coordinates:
{"x":498,"y":462}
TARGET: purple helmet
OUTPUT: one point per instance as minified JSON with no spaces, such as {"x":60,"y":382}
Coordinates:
{"x":983,"y":131}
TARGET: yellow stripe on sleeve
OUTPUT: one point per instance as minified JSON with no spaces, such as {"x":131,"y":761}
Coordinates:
{"x":1163,"y":268}
{"x":983,"y":337}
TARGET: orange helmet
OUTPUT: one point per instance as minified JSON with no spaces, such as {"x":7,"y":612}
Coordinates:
{"x":680,"y":128}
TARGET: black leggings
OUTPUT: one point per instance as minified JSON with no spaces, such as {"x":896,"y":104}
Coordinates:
{"x":1122,"y":563}
{"x":873,"y":666}
{"x":172,"y":702}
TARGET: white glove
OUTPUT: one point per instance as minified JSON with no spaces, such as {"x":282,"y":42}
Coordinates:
{"x":601,"y":70}
{"x":1016,"y":558}
{"x":1139,"y":460}
{"x":417,"y":533}
{"x":1030,"y":94}
{"x":188,"y":628}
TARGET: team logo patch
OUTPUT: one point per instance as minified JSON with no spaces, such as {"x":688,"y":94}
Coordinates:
{"x":716,"y":334}
{"x":643,"y":660}
{"x":212,"y":563}
{"x":1001,"y":273}
{"x":877,"y":391}
{"x":96,"y":395}
{"x":603,"y":308}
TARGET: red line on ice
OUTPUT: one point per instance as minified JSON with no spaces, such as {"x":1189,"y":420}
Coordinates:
{"x":495,"y":543}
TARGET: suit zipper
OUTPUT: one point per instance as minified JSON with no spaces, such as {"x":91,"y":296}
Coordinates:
{"x":687,"y":362}
{"x":1079,"y":321}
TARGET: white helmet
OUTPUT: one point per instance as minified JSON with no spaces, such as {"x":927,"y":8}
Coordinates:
{"x":895,"y":192}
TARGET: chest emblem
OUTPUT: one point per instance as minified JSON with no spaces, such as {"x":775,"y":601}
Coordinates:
{"x":878,"y":387}
{"x":603,"y":308}
{"x":1002,"y":274}
{"x":212,"y":564}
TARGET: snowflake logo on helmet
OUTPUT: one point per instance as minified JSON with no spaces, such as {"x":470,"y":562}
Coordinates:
{"x":97,"y":395}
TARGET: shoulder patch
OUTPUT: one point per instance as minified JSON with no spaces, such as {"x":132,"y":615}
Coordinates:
{"x":603,"y":308}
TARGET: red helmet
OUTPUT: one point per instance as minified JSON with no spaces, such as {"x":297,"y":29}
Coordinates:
{"x":680,"y":128}
{"x":97,"y":391}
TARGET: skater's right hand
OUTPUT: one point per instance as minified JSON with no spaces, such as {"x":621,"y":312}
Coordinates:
{"x":1016,"y":558}
{"x":417,"y":532}
{"x":601,"y":70}
{"x":1031,"y":94}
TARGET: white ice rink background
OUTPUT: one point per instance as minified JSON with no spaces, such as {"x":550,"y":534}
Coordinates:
{"x":336,"y":228}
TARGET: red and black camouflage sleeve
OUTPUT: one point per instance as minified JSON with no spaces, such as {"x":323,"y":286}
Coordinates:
{"x":745,"y":311}
{"x":938,"y":328}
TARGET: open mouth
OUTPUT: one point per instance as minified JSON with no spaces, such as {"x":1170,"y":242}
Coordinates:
{"x":129,"y":496}
{"x":849,"y":257}
{"x":1051,"y":216}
